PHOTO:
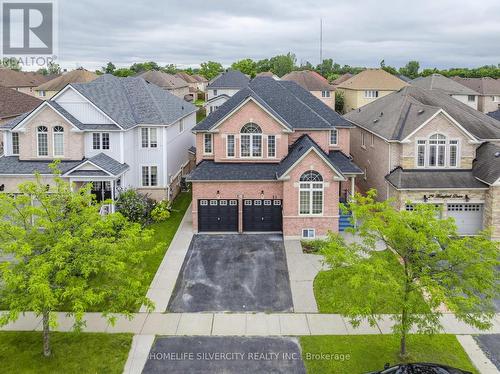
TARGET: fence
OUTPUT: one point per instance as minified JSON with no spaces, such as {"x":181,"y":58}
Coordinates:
{"x":175,"y":184}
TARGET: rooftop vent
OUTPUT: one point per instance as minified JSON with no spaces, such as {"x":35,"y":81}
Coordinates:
{"x":381,"y":114}
{"x":375,"y":120}
{"x":420,"y":111}
{"x":497,"y":154}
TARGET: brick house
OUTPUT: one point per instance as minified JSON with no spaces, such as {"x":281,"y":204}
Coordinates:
{"x":272,"y":158}
{"x":422,"y":146}
{"x":315,"y":83}
{"x":488,"y":89}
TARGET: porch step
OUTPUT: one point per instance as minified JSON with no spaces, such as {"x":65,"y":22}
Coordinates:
{"x":344,"y":221}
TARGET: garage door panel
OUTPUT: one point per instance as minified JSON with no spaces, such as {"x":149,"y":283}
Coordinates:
{"x":262,"y":215}
{"x":468,"y":217}
{"x":217,"y":215}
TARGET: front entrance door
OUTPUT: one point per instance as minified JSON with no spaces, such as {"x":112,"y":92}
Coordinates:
{"x":101,"y":190}
{"x":262,"y":215}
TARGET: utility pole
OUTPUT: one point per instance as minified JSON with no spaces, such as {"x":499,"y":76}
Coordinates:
{"x":320,"y":41}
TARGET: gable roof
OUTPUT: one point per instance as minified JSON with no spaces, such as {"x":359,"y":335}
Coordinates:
{"x":14,"y":103}
{"x":186,"y":77}
{"x":229,"y":79}
{"x":163,"y":80}
{"x":200,"y":78}
{"x":294,"y":106}
{"x":440,"y":82}
{"x":484,"y":86}
{"x":486,"y":166}
{"x":102,"y":161}
{"x":373,"y":79}
{"x":309,"y":80}
{"x":342,"y":79}
{"x":495,"y":114}
{"x":421,"y":179}
{"x":74,"y":76}
{"x":397,"y":115}
{"x":11,"y":78}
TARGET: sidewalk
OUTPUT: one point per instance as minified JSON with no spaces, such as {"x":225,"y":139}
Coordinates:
{"x":237,"y":324}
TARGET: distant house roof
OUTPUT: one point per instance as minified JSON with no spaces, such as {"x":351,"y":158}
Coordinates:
{"x":294,"y":106}
{"x":309,"y":80}
{"x":74,"y":76}
{"x":486,"y":166}
{"x":217,"y":171}
{"x":127,"y":101}
{"x":440,"y":82}
{"x":234,"y":79}
{"x":495,"y":114}
{"x":373,"y":79}
{"x":404,"y":78}
{"x":186,"y":77}
{"x":14,"y":103}
{"x":200,"y":78}
{"x":420,"y":179}
{"x":397,"y":115}
{"x":342,"y":79}
{"x":269,"y":74}
{"x":11,"y":78}
{"x":484,"y":86}
{"x":163,"y":80}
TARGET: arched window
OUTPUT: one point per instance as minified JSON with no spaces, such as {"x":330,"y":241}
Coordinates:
{"x":58,"y":141}
{"x":42,"y":141}
{"x":437,"y":152}
{"x":251,"y":140}
{"x":311,"y":193}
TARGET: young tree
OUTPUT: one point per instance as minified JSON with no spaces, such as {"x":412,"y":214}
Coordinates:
{"x":438,"y":268}
{"x":283,"y":64}
{"x":170,"y":69}
{"x":410,"y":69}
{"x":109,"y":68}
{"x":66,"y":256}
{"x":246,"y":66}
{"x":211,"y":69}
{"x":339,"y":102}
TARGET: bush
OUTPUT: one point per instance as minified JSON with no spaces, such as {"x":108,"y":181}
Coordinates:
{"x":135,"y":206}
{"x":160,"y":212}
{"x":312,"y":246}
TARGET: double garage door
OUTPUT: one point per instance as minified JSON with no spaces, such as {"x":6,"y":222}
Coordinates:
{"x":468,"y":217}
{"x":222,"y":215}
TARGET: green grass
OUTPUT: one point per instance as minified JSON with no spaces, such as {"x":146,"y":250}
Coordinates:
{"x":21,"y":352}
{"x":330,"y":288}
{"x":364,"y":353}
{"x":200,"y":115}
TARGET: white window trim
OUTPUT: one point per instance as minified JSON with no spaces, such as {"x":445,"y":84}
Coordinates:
{"x":446,"y":153}
{"x":310,"y":190}
{"x":149,"y":175}
{"x":363,"y":139}
{"x":38,"y":141}
{"x":371,"y":94}
{"x":211,"y":144}
{"x":308,"y":237}
{"x":227,"y":146}
{"x":181,"y":128}
{"x":54,"y":142}
{"x":275,"y":146}
{"x":336,"y":137}
{"x":251,"y":135}
{"x":18,"y":145}
{"x":148,"y":131}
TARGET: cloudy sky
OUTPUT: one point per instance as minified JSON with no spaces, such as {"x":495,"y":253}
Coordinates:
{"x":441,"y":33}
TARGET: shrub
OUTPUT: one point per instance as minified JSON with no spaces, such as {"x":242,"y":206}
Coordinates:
{"x":160,"y":212}
{"x":312,"y":246}
{"x":135,"y":206}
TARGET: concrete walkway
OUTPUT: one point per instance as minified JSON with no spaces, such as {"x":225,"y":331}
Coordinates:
{"x":476,"y":355}
{"x":163,"y":283}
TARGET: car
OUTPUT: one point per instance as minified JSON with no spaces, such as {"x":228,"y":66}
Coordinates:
{"x":419,"y":368}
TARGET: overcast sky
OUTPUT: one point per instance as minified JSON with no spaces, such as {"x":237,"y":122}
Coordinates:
{"x":441,"y":33}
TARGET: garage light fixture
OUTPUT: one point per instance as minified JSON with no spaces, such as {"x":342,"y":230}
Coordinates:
{"x":425,"y":198}
{"x":218,"y":194}
{"x":467,"y":198}
{"x":262,"y":194}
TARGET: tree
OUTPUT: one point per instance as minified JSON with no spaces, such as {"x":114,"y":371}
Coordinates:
{"x":326,"y":68}
{"x":389,"y":69}
{"x":144,"y":66}
{"x":438,"y":267}
{"x":109,"y":68}
{"x":123,"y":72}
{"x":11,"y":63}
{"x":66,"y":256}
{"x":211,"y":69}
{"x":339,"y":102}
{"x":170,"y":69}
{"x":283,"y":64}
{"x":246,"y":66}
{"x":263,"y":65}
{"x":410,"y":69}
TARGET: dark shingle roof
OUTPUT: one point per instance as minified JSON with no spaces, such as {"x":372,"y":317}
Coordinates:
{"x":433,"y":179}
{"x":440,"y":82}
{"x":14,"y":103}
{"x":230,"y":79}
{"x":486,"y":166}
{"x":290,"y":103}
{"x":398,"y":114}
{"x":344,"y":163}
{"x":495,"y":114}
{"x":485,"y":85}
{"x":163,"y":80}
{"x":108,"y":164}
{"x":309,"y":80}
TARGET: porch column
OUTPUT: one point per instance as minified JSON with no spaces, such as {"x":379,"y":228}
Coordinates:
{"x":352,"y":186}
{"x":113,"y":196}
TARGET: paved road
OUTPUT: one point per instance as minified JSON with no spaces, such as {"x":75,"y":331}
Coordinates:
{"x":224,"y":355}
{"x":490,"y":345}
{"x":237,"y":273}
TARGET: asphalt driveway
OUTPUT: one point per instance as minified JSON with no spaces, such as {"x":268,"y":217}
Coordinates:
{"x":224,"y":355}
{"x":236,"y":273}
{"x":490,"y":345}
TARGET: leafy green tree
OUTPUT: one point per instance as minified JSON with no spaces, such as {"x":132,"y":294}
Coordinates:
{"x":410,"y":69}
{"x":66,"y":256}
{"x":246,"y":66}
{"x":211,"y":69}
{"x":439,"y":268}
{"x":170,"y":69}
{"x":123,"y":72}
{"x":263,"y":65}
{"x":144,"y":66}
{"x":11,"y":63}
{"x":339,"y":102}
{"x":389,"y":69}
{"x":109,"y":68}
{"x":326,"y":68}
{"x":283,"y":64}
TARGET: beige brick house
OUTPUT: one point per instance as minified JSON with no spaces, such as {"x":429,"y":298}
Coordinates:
{"x":367,"y":86}
{"x":422,"y":146}
{"x":315,"y":83}
{"x":488,"y":90}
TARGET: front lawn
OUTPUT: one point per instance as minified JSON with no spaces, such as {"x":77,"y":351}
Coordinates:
{"x":21,"y":352}
{"x":364,"y":353}
{"x":332,"y":291}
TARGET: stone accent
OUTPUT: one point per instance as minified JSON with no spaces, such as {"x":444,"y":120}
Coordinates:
{"x":492,"y":212}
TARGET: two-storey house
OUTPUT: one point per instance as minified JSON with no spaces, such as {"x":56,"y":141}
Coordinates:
{"x":113,"y":132}
{"x":222,"y":87}
{"x":315,"y":83}
{"x":422,"y":146}
{"x":273,"y":157}
{"x":488,"y":90}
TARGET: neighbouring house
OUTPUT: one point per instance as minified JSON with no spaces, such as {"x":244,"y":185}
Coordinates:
{"x":169,"y":82}
{"x":48,"y":89}
{"x":315,"y":83}
{"x":488,"y":90}
{"x":272,"y":158}
{"x":192,"y":84}
{"x":448,"y":86}
{"x":22,"y":81}
{"x":269,"y":74}
{"x":422,"y":146}
{"x":367,"y":86}
{"x":341,"y":79}
{"x":113,"y":132}
{"x":202,"y":82}
{"x":222,"y":87}
{"x":495,"y":114}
